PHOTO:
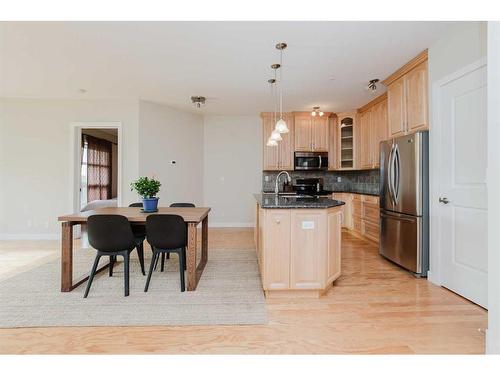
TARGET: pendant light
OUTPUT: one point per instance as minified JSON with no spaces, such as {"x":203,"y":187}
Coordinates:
{"x":281,"y":126}
{"x":273,"y":139}
{"x":271,"y":142}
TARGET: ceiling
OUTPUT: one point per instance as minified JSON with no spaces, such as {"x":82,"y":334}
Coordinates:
{"x":326,"y":63}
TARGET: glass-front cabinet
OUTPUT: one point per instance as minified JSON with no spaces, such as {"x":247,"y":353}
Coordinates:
{"x":346,"y":145}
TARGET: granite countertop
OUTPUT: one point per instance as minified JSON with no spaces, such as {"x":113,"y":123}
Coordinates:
{"x":273,"y":201}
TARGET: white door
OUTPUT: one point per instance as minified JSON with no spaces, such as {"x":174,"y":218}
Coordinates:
{"x":462,"y":184}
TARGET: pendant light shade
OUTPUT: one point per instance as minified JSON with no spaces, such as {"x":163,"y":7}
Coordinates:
{"x":281,"y":127}
{"x":276,"y":136}
{"x":271,"y":142}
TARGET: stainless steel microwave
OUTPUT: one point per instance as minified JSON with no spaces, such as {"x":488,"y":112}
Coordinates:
{"x":311,"y":161}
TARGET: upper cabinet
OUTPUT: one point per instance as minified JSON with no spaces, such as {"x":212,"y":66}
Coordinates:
{"x":365,"y":139}
{"x":396,"y":106}
{"x":277,"y":157}
{"x":311,"y":132}
{"x":373,"y":128}
{"x":417,"y":98}
{"x":407,"y":95}
{"x":379,"y":129}
{"x":345,"y":141}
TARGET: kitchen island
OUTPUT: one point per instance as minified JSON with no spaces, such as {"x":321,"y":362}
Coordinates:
{"x":298,"y":244}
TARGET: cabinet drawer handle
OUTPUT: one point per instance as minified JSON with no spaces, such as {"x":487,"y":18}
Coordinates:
{"x":278,"y":221}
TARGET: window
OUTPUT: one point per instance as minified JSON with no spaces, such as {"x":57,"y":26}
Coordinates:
{"x":96,"y":171}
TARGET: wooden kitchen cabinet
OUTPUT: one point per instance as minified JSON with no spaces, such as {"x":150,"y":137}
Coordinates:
{"x":298,"y":250}
{"x":365,"y":153}
{"x":346,"y":209}
{"x":363,"y":215}
{"x":277,"y":239}
{"x":396,"y":107}
{"x":345,"y":141}
{"x":277,"y":157}
{"x":311,"y":132}
{"x":373,"y":129}
{"x":320,"y":132}
{"x":309,"y":234}
{"x":333,"y":160}
{"x":417,"y":98}
{"x":334,"y":247}
{"x":407,"y":97}
{"x":379,"y":130}
{"x":303,"y":134}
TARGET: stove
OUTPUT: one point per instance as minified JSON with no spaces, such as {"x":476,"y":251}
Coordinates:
{"x":310,"y":186}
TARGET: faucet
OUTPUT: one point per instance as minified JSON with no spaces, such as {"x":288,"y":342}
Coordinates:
{"x":276,"y":186}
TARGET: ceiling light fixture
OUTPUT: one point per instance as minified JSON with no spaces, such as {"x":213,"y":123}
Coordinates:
{"x":317,"y":112}
{"x":372,"y":85}
{"x":281,"y":126}
{"x":198,"y":101}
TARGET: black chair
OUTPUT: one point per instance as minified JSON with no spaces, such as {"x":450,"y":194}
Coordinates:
{"x":139,"y":231}
{"x":111,"y":235}
{"x":168,"y":255}
{"x":166,"y":234}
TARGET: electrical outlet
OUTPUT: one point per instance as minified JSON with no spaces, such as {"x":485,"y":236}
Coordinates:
{"x":339,"y":179}
{"x":266,"y":178}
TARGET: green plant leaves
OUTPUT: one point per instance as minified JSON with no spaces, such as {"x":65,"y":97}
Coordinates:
{"x":146,"y":187}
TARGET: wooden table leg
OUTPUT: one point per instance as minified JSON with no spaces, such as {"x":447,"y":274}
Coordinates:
{"x":204,"y":248}
{"x":67,"y":257}
{"x":191,"y":257}
{"x":67,"y":284}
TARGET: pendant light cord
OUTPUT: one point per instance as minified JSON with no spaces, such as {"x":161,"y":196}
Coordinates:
{"x":281,"y":84}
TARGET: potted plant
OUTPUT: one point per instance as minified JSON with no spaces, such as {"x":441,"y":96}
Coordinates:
{"x":147,"y":188}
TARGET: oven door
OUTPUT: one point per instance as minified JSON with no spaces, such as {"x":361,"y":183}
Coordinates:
{"x":311,"y":161}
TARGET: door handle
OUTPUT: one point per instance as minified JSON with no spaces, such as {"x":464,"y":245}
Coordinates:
{"x":390,"y":175}
{"x":443,"y":200}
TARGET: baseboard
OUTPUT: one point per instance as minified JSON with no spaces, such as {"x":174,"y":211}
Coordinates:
{"x":230,"y":225}
{"x":24,"y":236}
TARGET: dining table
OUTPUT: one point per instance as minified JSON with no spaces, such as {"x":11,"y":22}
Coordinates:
{"x":193,"y":216}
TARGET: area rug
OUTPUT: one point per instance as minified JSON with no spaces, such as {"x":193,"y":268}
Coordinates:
{"x":229,"y":292}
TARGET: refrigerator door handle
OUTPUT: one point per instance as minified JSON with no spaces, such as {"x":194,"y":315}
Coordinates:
{"x":390,"y":175}
{"x":396,"y":174}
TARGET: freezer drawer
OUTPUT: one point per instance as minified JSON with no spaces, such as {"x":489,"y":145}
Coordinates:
{"x":401,"y":239}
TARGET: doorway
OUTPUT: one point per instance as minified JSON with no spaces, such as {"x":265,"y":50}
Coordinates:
{"x":459,"y":192}
{"x":97,"y":165}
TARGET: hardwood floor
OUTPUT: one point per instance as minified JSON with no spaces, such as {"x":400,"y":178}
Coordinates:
{"x":374,"y":307}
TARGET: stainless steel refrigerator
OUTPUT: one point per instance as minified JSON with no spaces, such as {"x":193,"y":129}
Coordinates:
{"x":404,"y":201}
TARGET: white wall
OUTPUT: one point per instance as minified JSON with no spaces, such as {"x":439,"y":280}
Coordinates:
{"x":462,"y":45}
{"x":167,"y":134}
{"x":35,"y":160}
{"x":493,"y":333}
{"x":232,"y":168}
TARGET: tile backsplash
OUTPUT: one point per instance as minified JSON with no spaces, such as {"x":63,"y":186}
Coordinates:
{"x":362,"y":181}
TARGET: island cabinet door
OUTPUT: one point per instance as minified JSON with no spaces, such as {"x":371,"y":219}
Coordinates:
{"x":277,"y":250}
{"x":334,"y":238}
{"x":309,"y":242}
